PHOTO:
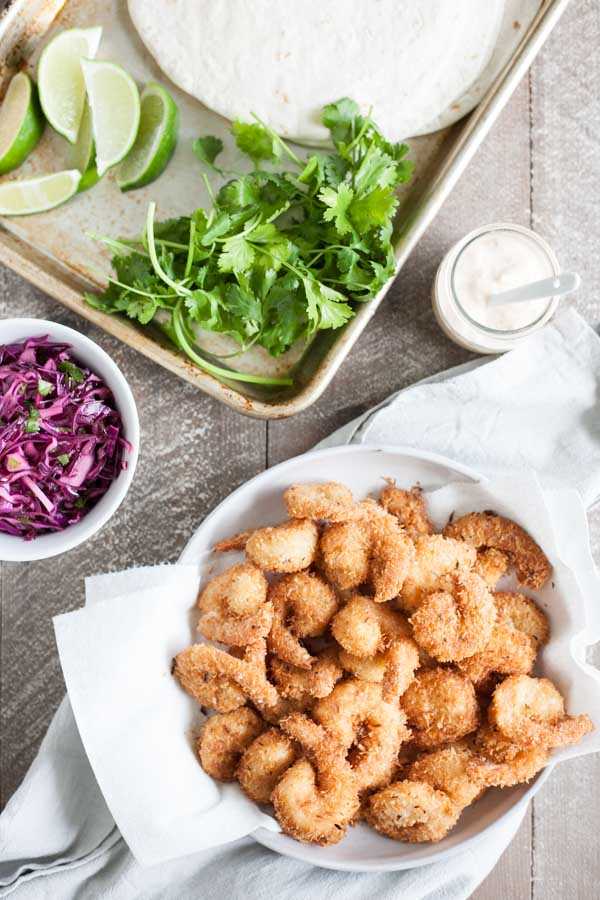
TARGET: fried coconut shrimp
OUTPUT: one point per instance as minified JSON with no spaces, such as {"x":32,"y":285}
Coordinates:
{"x":370,"y":729}
{"x":491,"y":565}
{"x":224,"y":738}
{"x":507,"y":652}
{"x":303,"y":605}
{"x":531,"y":712}
{"x":441,"y":707}
{"x":320,"y":501}
{"x":521,"y":612}
{"x":234,"y":608}
{"x":489,"y":530}
{"x":435,"y":557}
{"x":392,"y":556}
{"x":264,"y":762}
{"x":448,"y":770}
{"x":288,"y":547}
{"x":317,"y":797}
{"x":345,"y":554}
{"x":412,"y":811}
{"x":408,"y":507}
{"x":303,"y":685}
{"x":457,"y":622}
{"x":376,"y":643}
{"x":522,"y":767}
{"x":217,"y":679}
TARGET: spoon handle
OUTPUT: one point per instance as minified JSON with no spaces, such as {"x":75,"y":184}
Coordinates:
{"x":559,"y":285}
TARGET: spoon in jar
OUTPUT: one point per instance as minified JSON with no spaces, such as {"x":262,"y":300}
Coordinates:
{"x":557,"y":286}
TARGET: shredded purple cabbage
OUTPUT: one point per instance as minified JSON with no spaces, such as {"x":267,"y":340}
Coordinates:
{"x":61,"y":438}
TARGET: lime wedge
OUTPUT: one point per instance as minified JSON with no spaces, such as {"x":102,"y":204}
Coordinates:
{"x":83,"y":154}
{"x":155,"y":142}
{"x":115,"y":104}
{"x":33,"y":195}
{"x":21,"y":122}
{"x":60,"y":79}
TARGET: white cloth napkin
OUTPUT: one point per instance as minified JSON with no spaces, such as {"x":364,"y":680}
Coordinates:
{"x":57,"y":837}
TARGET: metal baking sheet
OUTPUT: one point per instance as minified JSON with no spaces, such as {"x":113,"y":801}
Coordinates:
{"x":53,"y":250}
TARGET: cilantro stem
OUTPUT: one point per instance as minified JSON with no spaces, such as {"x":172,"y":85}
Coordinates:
{"x":116,"y":245}
{"x":176,"y":286}
{"x":230,"y":374}
{"x":279,"y":141}
{"x":190,"y":255}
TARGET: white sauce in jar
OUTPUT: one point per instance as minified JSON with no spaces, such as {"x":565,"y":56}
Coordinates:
{"x":490,"y":259}
{"x":499,"y":261}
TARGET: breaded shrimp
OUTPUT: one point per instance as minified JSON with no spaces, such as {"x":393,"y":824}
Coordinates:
{"x":264,"y":762}
{"x":489,"y":530}
{"x":491,"y":744}
{"x":523,"y":766}
{"x":288,"y":547}
{"x":376,"y":644}
{"x":365,"y":725}
{"x":447,"y":770}
{"x":303,"y":606}
{"x":363,"y":627}
{"x":233,"y":543}
{"x":435,"y":557}
{"x":524,"y":614}
{"x":441,"y":707}
{"x":224,"y":738}
{"x":491,"y":565}
{"x":234,"y":608}
{"x":507,"y":652}
{"x":295,"y":683}
{"x":198,"y":668}
{"x":408,"y":507}
{"x":345,"y":553}
{"x":392,"y":556}
{"x":317,"y":797}
{"x":329,"y":500}
{"x":531,"y":712}
{"x":412,"y":811}
{"x":455,"y":623}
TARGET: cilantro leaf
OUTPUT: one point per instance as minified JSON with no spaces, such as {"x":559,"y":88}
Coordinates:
{"x":237,"y":254}
{"x":206,"y":149}
{"x":44,"y":387}
{"x":337,"y":202}
{"x":341,"y":118}
{"x":32,"y":422}
{"x":75,"y":374}
{"x":374,"y":209}
{"x":326,"y":308}
{"x":255,"y":141}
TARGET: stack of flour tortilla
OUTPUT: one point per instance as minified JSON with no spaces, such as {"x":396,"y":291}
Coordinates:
{"x":418,"y":64}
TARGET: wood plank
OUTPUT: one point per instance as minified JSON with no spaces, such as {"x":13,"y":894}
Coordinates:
{"x":565,"y":114}
{"x":511,"y":876}
{"x":194,"y":452}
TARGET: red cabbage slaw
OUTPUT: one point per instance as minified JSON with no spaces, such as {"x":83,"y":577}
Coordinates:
{"x":61,"y":438}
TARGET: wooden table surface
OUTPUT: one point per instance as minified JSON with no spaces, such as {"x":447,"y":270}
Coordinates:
{"x":539,"y":167}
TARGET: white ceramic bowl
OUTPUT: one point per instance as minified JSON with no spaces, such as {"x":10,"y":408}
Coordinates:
{"x":260,"y":502}
{"x":91,"y":355}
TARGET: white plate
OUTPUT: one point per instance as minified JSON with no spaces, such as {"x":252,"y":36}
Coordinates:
{"x":260,"y":502}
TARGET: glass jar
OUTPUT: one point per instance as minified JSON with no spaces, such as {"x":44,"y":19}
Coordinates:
{"x":491,"y":259}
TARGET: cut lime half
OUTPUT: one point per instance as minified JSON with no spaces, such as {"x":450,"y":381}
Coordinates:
{"x":155,"y":142}
{"x":21,"y":122}
{"x":60,"y":79}
{"x":83,"y":155}
{"x":34,"y":195}
{"x":115,"y":104}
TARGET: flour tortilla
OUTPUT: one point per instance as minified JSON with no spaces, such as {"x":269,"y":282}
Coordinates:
{"x":410,"y":60}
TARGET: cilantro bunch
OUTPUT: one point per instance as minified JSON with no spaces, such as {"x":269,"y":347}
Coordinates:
{"x":285,"y":250}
